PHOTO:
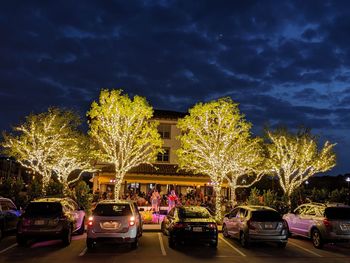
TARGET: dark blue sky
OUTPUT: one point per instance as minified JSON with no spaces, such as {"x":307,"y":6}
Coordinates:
{"x":286,"y":62}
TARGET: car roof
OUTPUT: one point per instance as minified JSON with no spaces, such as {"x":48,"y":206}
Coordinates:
{"x":115,"y":202}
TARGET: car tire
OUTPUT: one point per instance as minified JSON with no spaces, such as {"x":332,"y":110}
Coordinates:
{"x":282,"y":244}
{"x":90,"y":243}
{"x":171,"y":241}
{"x":21,"y":241}
{"x":214,"y":244}
{"x":225,"y":231}
{"x":316,"y":238}
{"x":135,"y":244}
{"x":67,"y":237}
{"x":81,"y":230}
{"x":244,"y":240}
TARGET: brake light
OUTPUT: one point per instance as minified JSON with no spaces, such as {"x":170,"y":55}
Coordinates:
{"x":90,"y":220}
{"x":132,"y":221}
{"x":327,"y":224}
{"x":180,"y":225}
{"x":212,"y":225}
{"x":251,"y":225}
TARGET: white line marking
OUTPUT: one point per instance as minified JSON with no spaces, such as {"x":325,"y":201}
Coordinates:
{"x":8,"y":248}
{"x":305,"y":249}
{"x":82,"y":253}
{"x":234,"y":248}
{"x":161,"y":244}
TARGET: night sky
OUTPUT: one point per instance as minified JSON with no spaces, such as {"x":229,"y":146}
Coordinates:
{"x":285,"y":62}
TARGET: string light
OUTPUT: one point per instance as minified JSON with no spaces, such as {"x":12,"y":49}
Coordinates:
{"x":294,"y":158}
{"x":214,"y":137}
{"x":124,"y":133}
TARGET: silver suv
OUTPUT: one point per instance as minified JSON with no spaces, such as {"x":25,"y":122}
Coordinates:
{"x":321,"y":222}
{"x":114,"y":221}
{"x":255,"y":224}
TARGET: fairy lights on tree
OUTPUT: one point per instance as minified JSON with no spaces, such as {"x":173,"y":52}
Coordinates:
{"x":209,"y":141}
{"x":123,"y":132}
{"x":37,"y":142}
{"x":294,"y":158}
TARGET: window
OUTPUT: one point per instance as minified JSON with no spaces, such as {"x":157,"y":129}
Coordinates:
{"x":164,"y":157}
{"x":164,"y":131}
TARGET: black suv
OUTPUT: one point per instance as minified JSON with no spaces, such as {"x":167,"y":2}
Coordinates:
{"x":9,"y":215}
{"x":51,"y":218}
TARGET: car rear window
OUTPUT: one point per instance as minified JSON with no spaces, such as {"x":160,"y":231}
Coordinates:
{"x":44,"y":209}
{"x":112,"y":210}
{"x":264,"y":216}
{"x":342,"y":213}
{"x":194,"y":212}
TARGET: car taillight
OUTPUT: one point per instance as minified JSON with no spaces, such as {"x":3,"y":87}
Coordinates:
{"x":26,"y":222}
{"x":327,"y":224}
{"x":251,"y":225}
{"x":212,"y":225}
{"x":132,"y":221}
{"x":90,"y":220}
{"x":180,"y":225}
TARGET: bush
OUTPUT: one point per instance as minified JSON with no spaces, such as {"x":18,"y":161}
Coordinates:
{"x":54,"y":188}
{"x":35,"y":189}
{"x":254,"y":197}
{"x":83,"y":196}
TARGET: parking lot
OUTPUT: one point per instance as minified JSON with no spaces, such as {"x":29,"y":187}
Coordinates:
{"x":154,"y":248}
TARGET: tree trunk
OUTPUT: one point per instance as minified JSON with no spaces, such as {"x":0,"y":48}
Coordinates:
{"x":118,"y":184}
{"x":233,"y":193}
{"x":217,"y":190}
{"x":46,"y":181}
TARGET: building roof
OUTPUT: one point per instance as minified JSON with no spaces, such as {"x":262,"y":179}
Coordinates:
{"x":156,"y":169}
{"x":167,"y":114}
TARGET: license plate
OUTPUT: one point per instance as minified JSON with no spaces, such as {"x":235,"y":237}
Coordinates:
{"x":345,"y":227}
{"x":269,"y":226}
{"x":197,"y":229}
{"x":110,"y":225}
{"x":39,"y":222}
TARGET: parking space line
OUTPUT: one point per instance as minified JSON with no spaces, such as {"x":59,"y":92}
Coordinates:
{"x":162,"y":248}
{"x":233,"y":247}
{"x":82,"y":253}
{"x":305,"y":249}
{"x":8,"y":248}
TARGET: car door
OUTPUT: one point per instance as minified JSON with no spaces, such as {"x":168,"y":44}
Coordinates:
{"x":293,"y":220}
{"x":10,"y":214}
{"x":306,"y":220}
{"x":232,"y":222}
{"x":77,"y":213}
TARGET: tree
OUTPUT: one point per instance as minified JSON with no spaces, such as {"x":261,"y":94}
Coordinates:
{"x":294,"y":158}
{"x":39,"y":141}
{"x":246,"y":163}
{"x":124,"y":133}
{"x":83,"y":196}
{"x":209,"y":141}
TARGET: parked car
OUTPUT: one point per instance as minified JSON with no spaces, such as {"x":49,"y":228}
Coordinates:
{"x":188,"y":224}
{"x":9,"y":215}
{"x":255,"y":224}
{"x":114,"y":221}
{"x":321,"y":222}
{"x":50,"y":218}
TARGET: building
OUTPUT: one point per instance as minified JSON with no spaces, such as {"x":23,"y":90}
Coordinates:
{"x":164,"y":174}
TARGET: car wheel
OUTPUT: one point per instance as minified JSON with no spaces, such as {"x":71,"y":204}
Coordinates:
{"x":244,"y":240}
{"x":81,"y":230}
{"x":316,"y":238}
{"x":171,"y":241}
{"x":282,"y":244}
{"x":21,"y":241}
{"x":67,"y":237}
{"x":135,"y":244}
{"x":90,"y":243}
{"x":224,"y":231}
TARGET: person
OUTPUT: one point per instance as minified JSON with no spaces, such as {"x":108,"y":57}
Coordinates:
{"x":172,"y":200}
{"x":155,"y":197}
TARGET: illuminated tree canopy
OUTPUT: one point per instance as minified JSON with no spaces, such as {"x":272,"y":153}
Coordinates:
{"x":123,"y":132}
{"x":296,"y":157}
{"x":214,"y":136}
{"x":41,"y":141}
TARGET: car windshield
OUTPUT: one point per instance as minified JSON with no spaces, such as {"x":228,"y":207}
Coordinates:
{"x":264,"y":216}
{"x":342,"y":213}
{"x":194,"y":212}
{"x":44,"y":209}
{"x":112,"y":210}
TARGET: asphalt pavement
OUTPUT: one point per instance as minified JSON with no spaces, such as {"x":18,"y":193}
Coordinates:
{"x":153,"y":247}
